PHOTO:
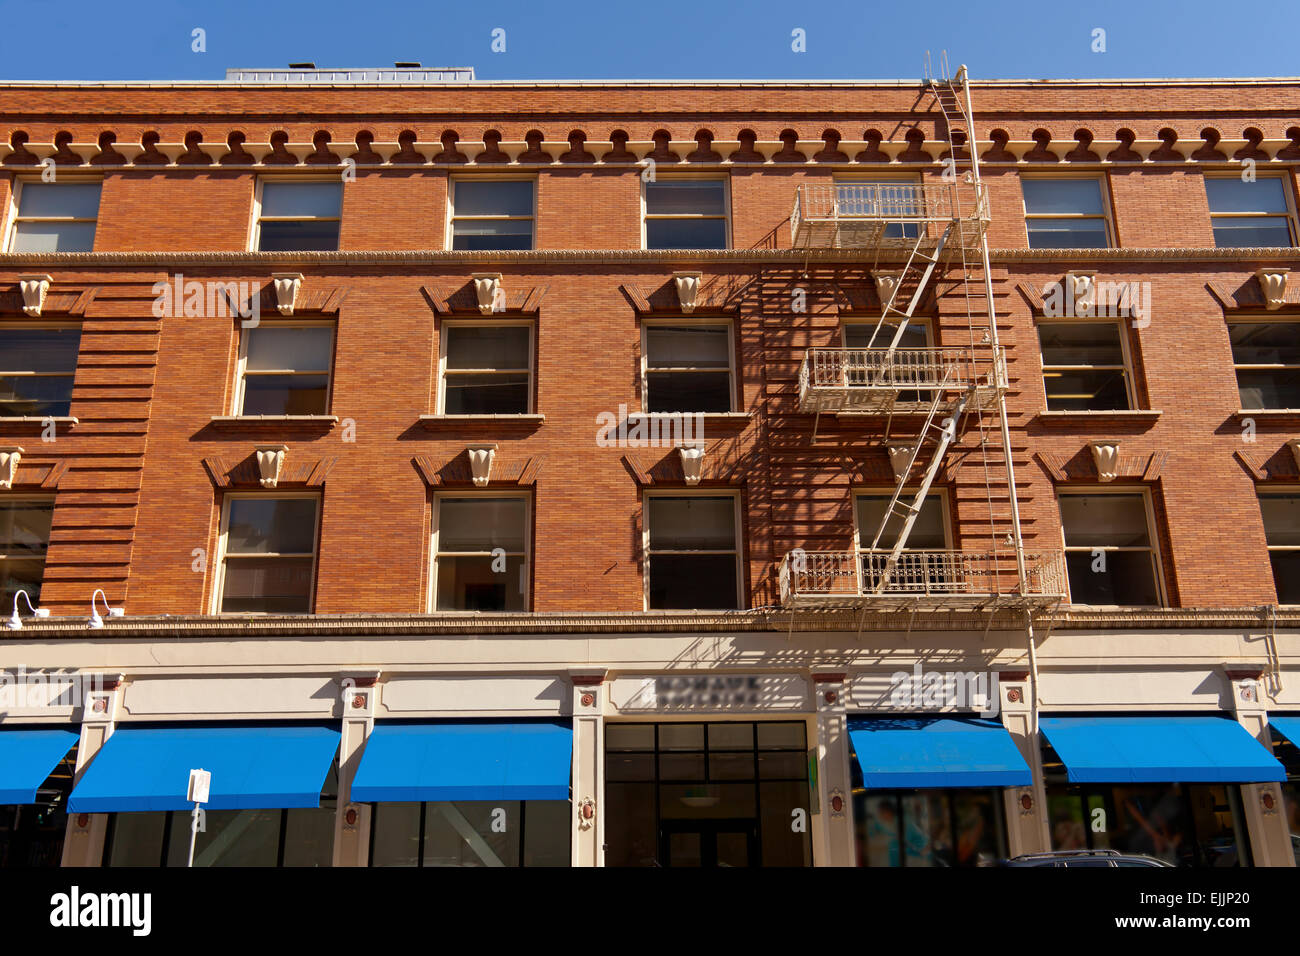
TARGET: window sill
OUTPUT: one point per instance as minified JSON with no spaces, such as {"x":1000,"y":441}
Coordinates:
{"x":16,"y":422}
{"x":707,"y":416}
{"x":478,"y":422}
{"x":1280,"y":416}
{"x":268,"y":422}
{"x":1070,"y":419}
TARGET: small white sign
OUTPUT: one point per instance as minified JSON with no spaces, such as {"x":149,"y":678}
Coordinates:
{"x":200,"y":782}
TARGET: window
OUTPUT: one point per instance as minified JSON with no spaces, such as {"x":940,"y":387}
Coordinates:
{"x":692,"y":556}
{"x":686,"y":214}
{"x":299,"y":216}
{"x":471,"y":833}
{"x":480,"y":547}
{"x":269,"y":560}
{"x":1250,"y":214}
{"x":37,"y":370}
{"x":492,"y":213}
{"x":1109,"y":553}
{"x":487,"y":369}
{"x":286,"y":370}
{"x":24,"y":539}
{"x":1084,"y":367}
{"x":916,"y":569}
{"x":55,"y":217}
{"x":1266,"y":356}
{"x":1282,"y":531}
{"x":688,"y":368}
{"x":877,"y":197}
{"x":916,"y":335}
{"x":1065,"y":213}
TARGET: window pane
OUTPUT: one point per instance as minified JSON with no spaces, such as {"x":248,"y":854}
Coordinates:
{"x":478,"y":234}
{"x":285,"y":395}
{"x":688,"y":347}
{"x":1112,"y":577}
{"x":547,"y":836}
{"x":306,"y":200}
{"x":1265,"y":194}
{"x":630,"y":737}
{"x":782,"y":764}
{"x":488,"y":346}
{"x":21,"y":574}
{"x":1281,"y":518}
{"x":688,"y":391}
{"x":681,"y":736}
{"x":39,"y":350}
{"x":692,"y":524}
{"x":272,"y":525}
{"x":301,"y":348}
{"x":493,"y":197}
{"x":1047,"y":197}
{"x":1081,"y":343}
{"x":35,"y":396}
{"x":686,"y":197}
{"x":782,"y":844}
{"x":475,"y":584}
{"x":300,"y":236}
{"x":1261,"y":231}
{"x":692,"y":581}
{"x":1086,"y":390}
{"x":1067,"y":234}
{"x":1267,"y":388}
{"x":232,"y":838}
{"x":1265,"y":343}
{"x":59,"y":200}
{"x":463,"y":834}
{"x":487,"y":394}
{"x":857,"y":335}
{"x":395,"y":834}
{"x":54,"y":237}
{"x":681,"y":767}
{"x":481,"y":524}
{"x":686,"y":234}
{"x":25,"y":528}
{"x":1104,"y":521}
{"x":309,"y":837}
{"x":731,"y":736}
{"x":1286,"y":575}
{"x":138,"y":839}
{"x":781,"y":736}
{"x":627,"y":767}
{"x":267,"y":585}
{"x":927,"y":532}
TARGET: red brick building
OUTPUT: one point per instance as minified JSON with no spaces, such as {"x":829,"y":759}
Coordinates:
{"x":329,"y":381}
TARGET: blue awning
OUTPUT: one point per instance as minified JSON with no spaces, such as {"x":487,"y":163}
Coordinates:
{"x":252,"y":767}
{"x":465,"y":760}
{"x":27,"y":756}
{"x":1208,"y":749}
{"x":1289,"y":727}
{"x":897,"y":753}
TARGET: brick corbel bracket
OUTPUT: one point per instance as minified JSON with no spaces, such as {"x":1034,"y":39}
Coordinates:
{"x":687,"y":292}
{"x":288,"y":294}
{"x":1280,"y":464}
{"x":686,"y":465}
{"x":492,"y":470}
{"x":1086,"y":464}
{"x":487,"y":293}
{"x":35,"y":296}
{"x":30,"y":474}
{"x":1270,"y":291}
{"x":300,"y":472}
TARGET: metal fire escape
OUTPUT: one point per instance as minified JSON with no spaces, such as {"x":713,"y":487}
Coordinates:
{"x":933,"y":228}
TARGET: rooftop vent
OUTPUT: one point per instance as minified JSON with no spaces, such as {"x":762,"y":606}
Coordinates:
{"x":409,"y":73}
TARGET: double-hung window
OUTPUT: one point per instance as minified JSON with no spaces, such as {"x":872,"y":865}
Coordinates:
{"x":692,"y":552}
{"x":1266,"y":357}
{"x":924,"y":564}
{"x":1110,"y":550}
{"x":1256,"y":213}
{"x":299,"y":216}
{"x":480,"y":547}
{"x":686,"y":214}
{"x":1085,"y":366}
{"x":492,"y":213}
{"x":24,"y":539}
{"x":55,"y":217}
{"x":1065,"y":213}
{"x":38,"y":365}
{"x":487,"y":369}
{"x":285,"y":369}
{"x":1282,"y":532}
{"x":688,"y":368}
{"x":268,"y":562}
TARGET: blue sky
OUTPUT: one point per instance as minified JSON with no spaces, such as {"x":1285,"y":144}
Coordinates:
{"x":662,"y":39}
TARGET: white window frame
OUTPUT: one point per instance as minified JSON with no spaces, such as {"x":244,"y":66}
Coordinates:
{"x":1153,"y":535}
{"x":15,"y":205}
{"x":686,"y":321}
{"x":445,"y":324}
{"x":219,"y":582}
{"x":738,"y":527}
{"x":255,"y":228}
{"x":726,"y":204}
{"x":1130,"y":386}
{"x":431,"y":599}
{"x":450,"y":235}
{"x":1276,"y":319}
{"x":41,"y":327}
{"x":29,"y":499}
{"x":1107,"y":206}
{"x":1287,"y":195}
{"x":1261,"y":492}
{"x":241,"y":364}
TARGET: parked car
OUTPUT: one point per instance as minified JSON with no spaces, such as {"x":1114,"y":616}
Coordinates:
{"x":1073,"y":858}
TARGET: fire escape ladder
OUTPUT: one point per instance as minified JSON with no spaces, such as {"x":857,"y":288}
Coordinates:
{"x":926,"y":264}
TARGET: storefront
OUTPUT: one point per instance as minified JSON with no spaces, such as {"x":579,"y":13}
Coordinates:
{"x":36,"y":765}
{"x":1167,"y":787}
{"x":928,"y":791}
{"x":1285,"y":730}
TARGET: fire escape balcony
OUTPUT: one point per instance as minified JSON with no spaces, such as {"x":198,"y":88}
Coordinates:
{"x":884,"y":381}
{"x":921,"y":580}
{"x":879,"y":216}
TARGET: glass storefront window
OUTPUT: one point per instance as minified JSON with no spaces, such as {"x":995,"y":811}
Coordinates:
{"x":31,"y":834}
{"x":471,"y":833}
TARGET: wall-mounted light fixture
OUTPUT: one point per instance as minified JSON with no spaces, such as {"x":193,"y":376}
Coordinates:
{"x":95,"y":620}
{"x":15,"y":623}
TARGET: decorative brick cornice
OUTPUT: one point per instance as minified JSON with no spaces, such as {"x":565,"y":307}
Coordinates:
{"x":297,"y":472}
{"x":438,"y":472}
{"x":1080,"y":467}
